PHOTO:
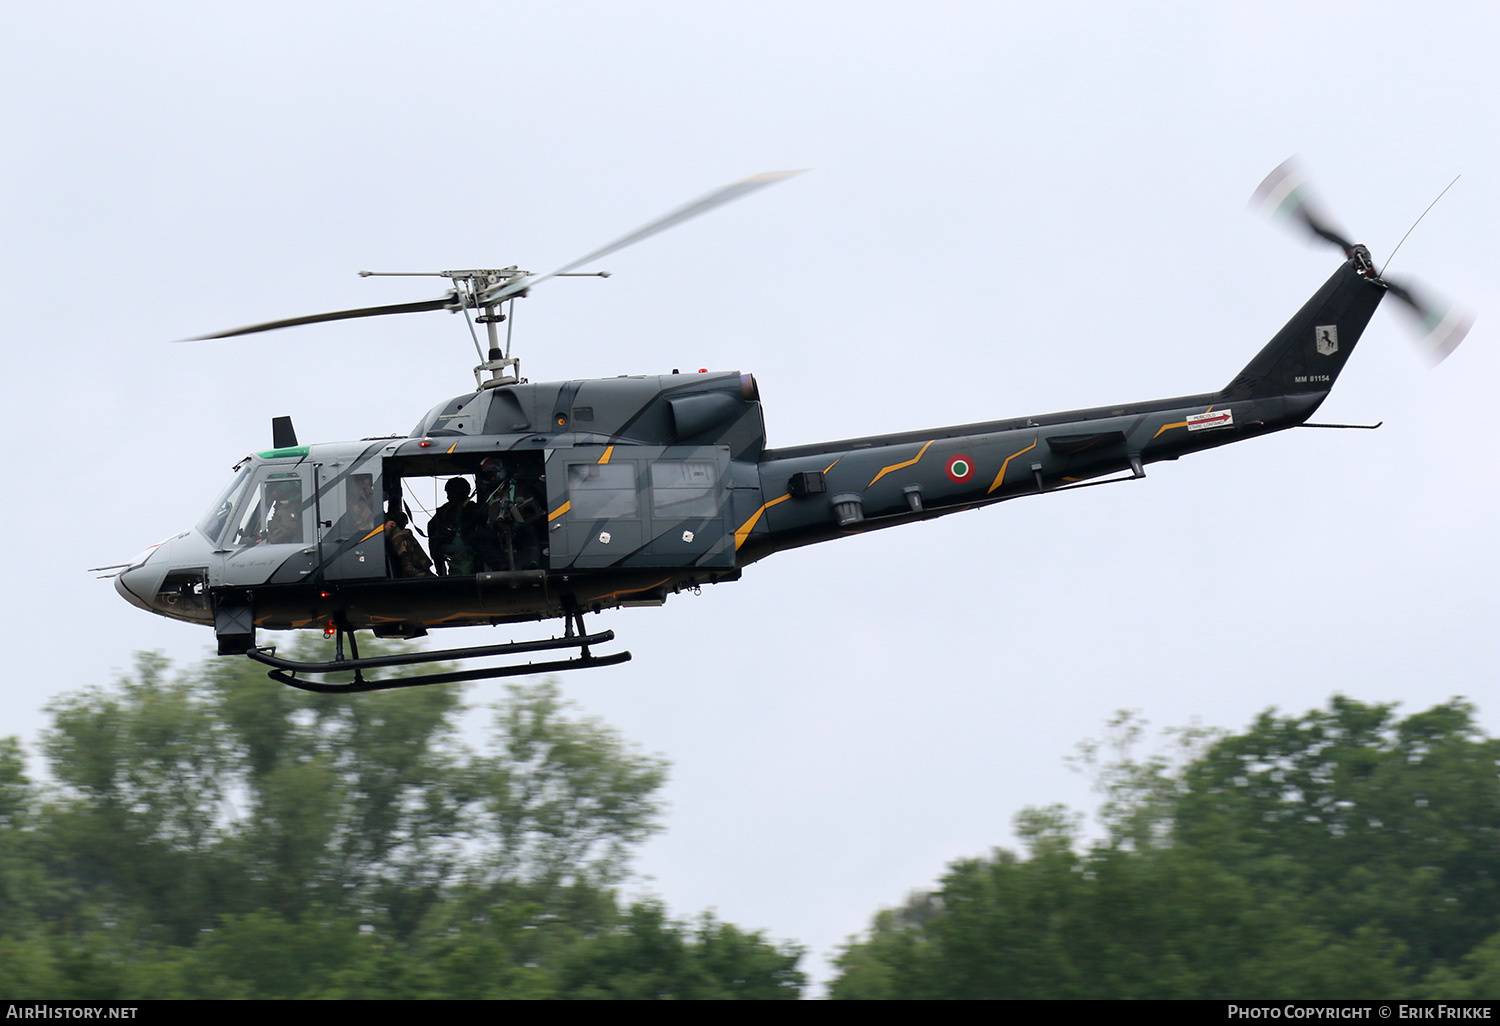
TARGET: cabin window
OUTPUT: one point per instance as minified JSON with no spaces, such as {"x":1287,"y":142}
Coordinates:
{"x":683,"y":490}
{"x":273,"y":513}
{"x":598,"y":491}
{"x":359,"y":504}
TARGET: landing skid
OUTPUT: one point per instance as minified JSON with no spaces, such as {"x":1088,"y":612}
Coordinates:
{"x":285,"y":671}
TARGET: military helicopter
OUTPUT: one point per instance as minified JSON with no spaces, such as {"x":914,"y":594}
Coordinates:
{"x":594,"y":494}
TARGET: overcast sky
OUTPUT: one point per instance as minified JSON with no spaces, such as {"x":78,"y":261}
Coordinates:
{"x":1012,"y":210}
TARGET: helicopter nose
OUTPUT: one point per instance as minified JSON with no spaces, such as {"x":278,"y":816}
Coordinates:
{"x":171,"y":579}
{"x":141,"y":580}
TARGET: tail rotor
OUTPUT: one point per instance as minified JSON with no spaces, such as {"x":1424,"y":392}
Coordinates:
{"x":1286,"y":195}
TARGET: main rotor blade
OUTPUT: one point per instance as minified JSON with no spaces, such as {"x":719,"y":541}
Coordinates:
{"x":1286,"y":193}
{"x":702,"y":205}
{"x":1444,"y":325}
{"x":519,"y":286}
{"x":449,"y":301}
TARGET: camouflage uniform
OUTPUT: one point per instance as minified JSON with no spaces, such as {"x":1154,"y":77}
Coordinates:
{"x":508,"y":537}
{"x":446,"y":534}
{"x":407,"y":557}
{"x":284,"y":525}
{"x":360,"y":513}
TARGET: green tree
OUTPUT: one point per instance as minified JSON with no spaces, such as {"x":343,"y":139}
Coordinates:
{"x":211,"y":834}
{"x":139,"y":817}
{"x":1384,"y":823}
{"x":1344,"y":853}
{"x":565,"y":801}
{"x":652,"y":957}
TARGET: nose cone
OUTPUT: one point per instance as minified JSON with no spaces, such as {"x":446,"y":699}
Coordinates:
{"x":139,"y":583}
{"x":124,"y":588}
{"x":171,"y":579}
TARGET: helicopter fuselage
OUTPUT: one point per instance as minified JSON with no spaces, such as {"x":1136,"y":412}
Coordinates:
{"x":623,"y":491}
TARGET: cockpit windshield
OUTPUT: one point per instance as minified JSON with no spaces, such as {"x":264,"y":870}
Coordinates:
{"x":212,"y":525}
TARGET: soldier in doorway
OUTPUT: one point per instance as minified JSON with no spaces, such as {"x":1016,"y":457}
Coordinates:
{"x":512,"y":509}
{"x":407,"y":557}
{"x":448,"y":529}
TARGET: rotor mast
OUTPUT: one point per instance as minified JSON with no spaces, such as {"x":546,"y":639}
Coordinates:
{"x":486,"y":289}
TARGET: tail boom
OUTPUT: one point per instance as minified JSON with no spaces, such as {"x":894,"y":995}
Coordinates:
{"x":817,"y":492}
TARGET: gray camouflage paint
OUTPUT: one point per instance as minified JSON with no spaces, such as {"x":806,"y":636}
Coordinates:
{"x":758,"y":508}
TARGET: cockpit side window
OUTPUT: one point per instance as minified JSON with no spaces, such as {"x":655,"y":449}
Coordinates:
{"x":284,"y":523}
{"x":359,"y":503}
{"x":272,"y":513}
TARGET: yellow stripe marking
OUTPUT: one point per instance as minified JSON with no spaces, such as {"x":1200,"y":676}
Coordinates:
{"x":896,"y":466}
{"x":371,"y":534}
{"x":559,"y":511}
{"x":1000,"y":477}
{"x":608,"y":452}
{"x":632,"y":591}
{"x":1180,"y":423}
{"x":749,"y":525}
{"x":452,"y":447}
{"x":832,"y":465}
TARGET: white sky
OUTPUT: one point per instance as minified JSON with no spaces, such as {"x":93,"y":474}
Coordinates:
{"x":1011,"y":211}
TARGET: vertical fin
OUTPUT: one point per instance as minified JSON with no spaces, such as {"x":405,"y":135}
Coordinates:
{"x":1307,"y":354}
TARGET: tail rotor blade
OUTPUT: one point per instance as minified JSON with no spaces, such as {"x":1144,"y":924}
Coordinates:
{"x":1443,"y":325}
{"x":1286,"y":194}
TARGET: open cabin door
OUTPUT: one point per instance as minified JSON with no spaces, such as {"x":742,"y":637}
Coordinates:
{"x":638,"y":506}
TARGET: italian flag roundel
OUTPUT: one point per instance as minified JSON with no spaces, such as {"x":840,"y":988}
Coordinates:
{"x":960,"y":468}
